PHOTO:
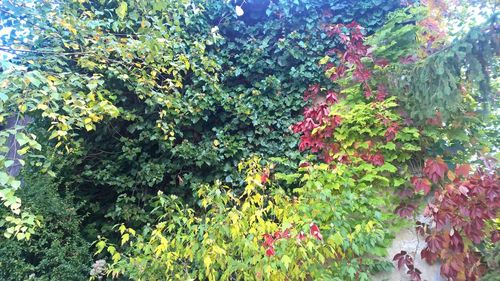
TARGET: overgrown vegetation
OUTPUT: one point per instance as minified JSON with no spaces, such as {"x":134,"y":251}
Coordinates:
{"x":246,"y":140}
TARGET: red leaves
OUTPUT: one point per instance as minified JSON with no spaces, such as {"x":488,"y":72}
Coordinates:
{"x":415,"y":274}
{"x":264,"y":176}
{"x":462,"y":170}
{"x":405,"y":210}
{"x":421,"y":184}
{"x":378,"y":159}
{"x":452,"y":266}
{"x":282,"y":234}
{"x":381,"y":92}
{"x":435,"y":169}
{"x":270,"y":251}
{"x":270,"y":240}
{"x":409,"y":59}
{"x":362,"y":74}
{"x":456,"y":241}
{"x":460,"y":212}
{"x":351,"y":36}
{"x":331,"y":97}
{"x":435,"y":243}
{"x":311,"y":92}
{"x":435,"y":121}
{"x":403,"y":259}
{"x":382,"y":62}
{"x":301,"y":236}
{"x":318,"y":126}
{"x":427,"y":255}
{"x":314,"y":231}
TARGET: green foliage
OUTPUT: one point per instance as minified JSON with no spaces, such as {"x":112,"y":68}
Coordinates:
{"x":397,"y":38}
{"x":141,"y":96}
{"x":443,"y":77}
{"x":56,"y":251}
{"x":130,"y":99}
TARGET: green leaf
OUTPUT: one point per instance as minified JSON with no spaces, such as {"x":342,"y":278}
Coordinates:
{"x":388,"y":167}
{"x":286,"y":260}
{"x":121,"y":11}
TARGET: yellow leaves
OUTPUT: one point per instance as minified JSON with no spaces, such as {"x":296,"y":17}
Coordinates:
{"x":235,"y":224}
{"x":125,"y":238}
{"x":121,"y":11}
{"x":42,"y":106}
{"x":331,"y":71}
{"x":66,"y":95}
{"x":369,"y":226}
{"x":324,"y":60}
{"x":122,"y":229}
{"x":207,"y":261}
{"x":22,"y":108}
{"x":73,"y":46}
{"x":116,"y":257}
{"x":218,"y":250}
{"x":185,"y":60}
{"x":67,"y":25}
{"x":91,"y":96}
{"x":58,"y":133}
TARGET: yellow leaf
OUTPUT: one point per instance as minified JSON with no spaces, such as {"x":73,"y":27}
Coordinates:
{"x":125,"y":238}
{"x":207,"y":261}
{"x":23,"y":108}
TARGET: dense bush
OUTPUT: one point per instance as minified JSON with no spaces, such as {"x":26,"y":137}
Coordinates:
{"x":263,"y":234}
{"x":57,"y":251}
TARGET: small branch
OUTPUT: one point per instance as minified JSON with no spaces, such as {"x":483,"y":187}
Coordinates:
{"x":51,"y":52}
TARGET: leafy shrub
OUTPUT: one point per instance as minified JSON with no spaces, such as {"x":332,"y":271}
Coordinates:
{"x":329,"y":232}
{"x":56,"y":251}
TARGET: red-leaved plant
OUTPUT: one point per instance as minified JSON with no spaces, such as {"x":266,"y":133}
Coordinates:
{"x":461,"y":211}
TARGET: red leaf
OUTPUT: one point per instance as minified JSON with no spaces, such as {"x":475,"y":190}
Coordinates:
{"x":304,"y":164}
{"x":331,"y":97}
{"x":435,"y":169}
{"x":404,"y":210}
{"x":462,"y":170}
{"x":377,"y":159}
{"x":435,"y":243}
{"x":415,"y":274}
{"x":301,"y":236}
{"x":456,"y":241}
{"x":314,"y":231}
{"x":264,"y":177}
{"x":268,"y":240}
{"x":381,"y":93}
{"x":270,"y":252}
{"x":361,"y":74}
{"x":421,"y":184}
{"x":382,"y":62}
{"x":391,"y":132}
{"x":427,"y":255}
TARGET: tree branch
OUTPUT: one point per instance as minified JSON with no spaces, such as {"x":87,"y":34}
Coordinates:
{"x":51,"y":52}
